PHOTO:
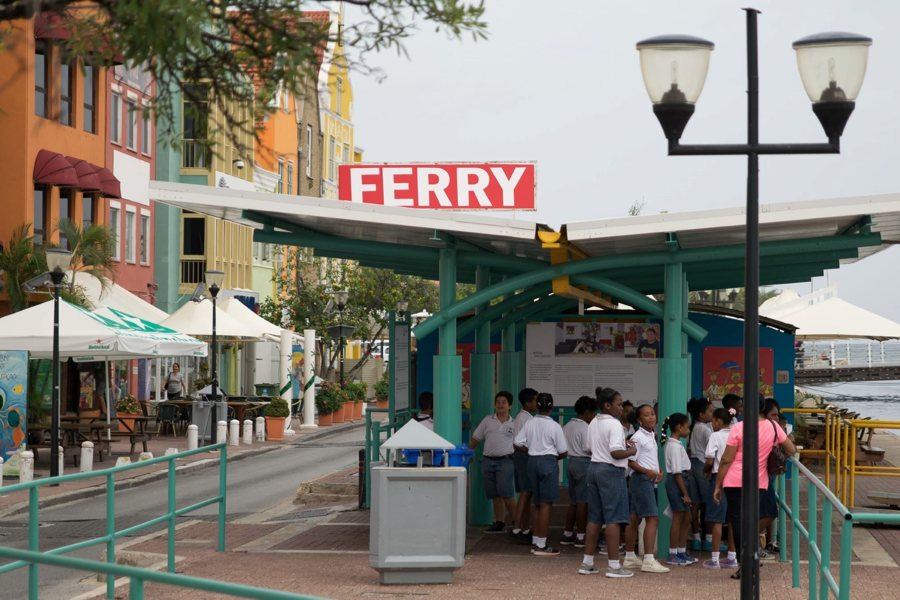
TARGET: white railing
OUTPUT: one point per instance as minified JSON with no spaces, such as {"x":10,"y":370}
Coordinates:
{"x":844,"y":354}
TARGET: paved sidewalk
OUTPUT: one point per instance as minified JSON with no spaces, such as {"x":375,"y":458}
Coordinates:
{"x":67,"y":492}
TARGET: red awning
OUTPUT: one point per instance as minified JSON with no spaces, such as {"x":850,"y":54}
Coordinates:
{"x":109,"y":185}
{"x":51,"y":26}
{"x":88,"y":178}
{"x":51,"y":168}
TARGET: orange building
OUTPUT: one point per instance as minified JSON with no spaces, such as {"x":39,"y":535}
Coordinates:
{"x":53,"y":131}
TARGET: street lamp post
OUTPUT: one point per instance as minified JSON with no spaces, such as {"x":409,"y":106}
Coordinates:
{"x":340,"y":301}
{"x":402,"y":310}
{"x":214,"y":280}
{"x":58,"y":261}
{"x":832,"y":67}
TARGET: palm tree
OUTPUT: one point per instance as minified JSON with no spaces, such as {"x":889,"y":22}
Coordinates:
{"x":20,"y":260}
{"x":93,"y":251}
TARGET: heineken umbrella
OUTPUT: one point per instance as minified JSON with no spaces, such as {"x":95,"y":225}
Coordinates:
{"x":195,"y":318}
{"x":90,"y":336}
{"x":237,"y":309}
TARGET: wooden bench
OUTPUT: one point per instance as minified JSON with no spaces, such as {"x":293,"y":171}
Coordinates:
{"x":870,"y":455}
{"x":74,"y":452}
{"x":892,"y":500}
{"x":134,"y":438}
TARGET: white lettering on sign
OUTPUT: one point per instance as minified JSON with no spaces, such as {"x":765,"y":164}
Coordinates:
{"x":466,"y":186}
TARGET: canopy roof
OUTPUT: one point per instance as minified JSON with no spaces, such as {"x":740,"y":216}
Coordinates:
{"x":86,"y":335}
{"x":823,"y":316}
{"x":237,"y":309}
{"x":108,"y":293}
{"x":799,"y":240}
{"x":195,"y":318}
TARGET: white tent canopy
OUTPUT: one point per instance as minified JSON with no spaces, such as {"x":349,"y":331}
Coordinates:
{"x":823,"y":316}
{"x":88,"y":336}
{"x":237,"y":309}
{"x":195,"y":318}
{"x":108,"y":293}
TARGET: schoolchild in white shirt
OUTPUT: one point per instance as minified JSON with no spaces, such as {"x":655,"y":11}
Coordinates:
{"x":522,"y":529}
{"x":576,"y":432}
{"x":498,"y":473}
{"x":678,"y":467}
{"x":717,"y":512}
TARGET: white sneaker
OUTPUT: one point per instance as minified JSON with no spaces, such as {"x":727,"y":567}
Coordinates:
{"x":632,"y":562}
{"x":619,"y":573}
{"x":588,"y":569}
{"x":653,"y":566}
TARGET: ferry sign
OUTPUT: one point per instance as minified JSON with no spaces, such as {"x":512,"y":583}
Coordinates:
{"x":453,"y":186}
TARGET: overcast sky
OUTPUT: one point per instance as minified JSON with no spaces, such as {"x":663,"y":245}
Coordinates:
{"x":559,"y":83}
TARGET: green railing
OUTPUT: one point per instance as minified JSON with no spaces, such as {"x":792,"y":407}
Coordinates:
{"x":818,"y":540}
{"x":374,"y":432}
{"x":29,"y":558}
{"x":137,"y":577}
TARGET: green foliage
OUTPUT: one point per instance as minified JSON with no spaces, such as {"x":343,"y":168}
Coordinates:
{"x":277,"y":407}
{"x":220,"y":43}
{"x":93,"y":249}
{"x":37,"y":411}
{"x":356,"y":391}
{"x":20,"y":260}
{"x":382,"y":387}
{"x":329,"y":398}
{"x":128,"y":405}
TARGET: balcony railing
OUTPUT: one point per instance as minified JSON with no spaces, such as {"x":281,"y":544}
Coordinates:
{"x":192,"y":270}
{"x":195,"y":154}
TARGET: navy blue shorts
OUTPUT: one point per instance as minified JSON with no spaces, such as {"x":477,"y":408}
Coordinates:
{"x":768,"y":502}
{"x":643,"y":495}
{"x":520,"y":465}
{"x":543,"y":474}
{"x":699,"y":483}
{"x":498,"y":477}
{"x":577,"y":471}
{"x":676,"y":500}
{"x":716,"y":513}
{"x":607,"y":494}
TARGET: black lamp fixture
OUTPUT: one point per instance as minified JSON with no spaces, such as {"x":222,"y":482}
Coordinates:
{"x":58,"y":262}
{"x":832,"y":68}
{"x":214,"y":280}
{"x":340,"y":301}
{"x":402,"y":310}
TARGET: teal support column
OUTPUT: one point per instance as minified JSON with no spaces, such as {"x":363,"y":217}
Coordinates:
{"x":684,"y":337}
{"x":481,"y":369}
{"x":447,"y":365}
{"x":673,"y":377}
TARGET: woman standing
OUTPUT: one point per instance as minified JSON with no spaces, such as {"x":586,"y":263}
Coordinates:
{"x":731,"y":469}
{"x":175,"y":383}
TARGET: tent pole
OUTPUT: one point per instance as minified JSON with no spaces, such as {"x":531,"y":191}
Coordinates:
{"x":106,"y":370}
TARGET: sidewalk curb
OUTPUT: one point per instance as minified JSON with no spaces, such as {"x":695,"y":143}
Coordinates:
{"x":198,"y":465}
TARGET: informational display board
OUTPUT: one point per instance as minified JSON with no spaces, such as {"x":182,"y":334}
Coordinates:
{"x":13,"y":401}
{"x":570,"y":359}
{"x":399,"y":365}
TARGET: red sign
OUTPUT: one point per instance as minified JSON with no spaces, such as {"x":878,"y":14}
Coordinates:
{"x":454,"y":186}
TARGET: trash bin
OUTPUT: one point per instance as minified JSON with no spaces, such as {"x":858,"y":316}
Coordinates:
{"x":418,"y":517}
{"x":200,"y":413}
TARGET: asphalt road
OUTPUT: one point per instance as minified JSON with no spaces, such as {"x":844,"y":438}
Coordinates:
{"x":255,"y":484}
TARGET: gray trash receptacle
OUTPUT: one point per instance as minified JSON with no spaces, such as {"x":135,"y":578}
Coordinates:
{"x":200,"y":414}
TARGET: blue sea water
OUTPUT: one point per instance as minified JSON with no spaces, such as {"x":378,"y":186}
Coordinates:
{"x":876,"y":399}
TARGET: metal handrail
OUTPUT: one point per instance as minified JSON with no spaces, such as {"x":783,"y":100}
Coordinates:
{"x":374,"y":430}
{"x":139,"y":576}
{"x":33,"y":487}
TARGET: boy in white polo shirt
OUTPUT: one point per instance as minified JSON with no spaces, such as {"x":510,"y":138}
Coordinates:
{"x":546,"y":445}
{"x":522,"y":529}
{"x":496,"y":431}
{"x":576,"y":432}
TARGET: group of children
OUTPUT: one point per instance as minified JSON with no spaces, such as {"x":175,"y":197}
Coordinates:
{"x":613,"y":472}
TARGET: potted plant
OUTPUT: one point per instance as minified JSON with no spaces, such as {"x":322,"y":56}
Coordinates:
{"x":328,"y":401}
{"x":277,"y":410}
{"x":382,"y":391}
{"x":356,"y":394}
{"x":126,"y":409}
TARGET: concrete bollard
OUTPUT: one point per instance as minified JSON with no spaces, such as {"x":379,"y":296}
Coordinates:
{"x":248,"y":432}
{"x":234,"y":432}
{"x":26,"y":470}
{"x":87,"y":457}
{"x":221,"y":432}
{"x":123,"y":460}
{"x":145,"y":456}
{"x":260,"y":429}
{"x":62,"y":461}
{"x":192,"y":437}
{"x":171,"y":451}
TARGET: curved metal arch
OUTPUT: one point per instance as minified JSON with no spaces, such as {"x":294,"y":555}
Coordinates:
{"x":501,"y":308}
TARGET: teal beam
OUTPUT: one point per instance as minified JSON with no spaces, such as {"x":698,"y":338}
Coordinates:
{"x":447,"y":364}
{"x":509,"y":363}
{"x":549,"y":305}
{"x":494,"y":311}
{"x":589,"y":265}
{"x":481,"y":398}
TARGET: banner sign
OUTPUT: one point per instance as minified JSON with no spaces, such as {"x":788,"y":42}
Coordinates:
{"x":13,"y":401}
{"x":450,"y":186}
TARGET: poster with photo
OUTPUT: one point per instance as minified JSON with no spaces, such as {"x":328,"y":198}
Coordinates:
{"x":723,"y":372}
{"x":608,"y":339}
{"x":13,"y":401}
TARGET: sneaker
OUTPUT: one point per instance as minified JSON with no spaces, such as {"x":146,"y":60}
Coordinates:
{"x":763,"y":555}
{"x":601,"y":548}
{"x":707,"y":546}
{"x":728,"y":563}
{"x":579,"y":543}
{"x":653,"y":566}
{"x":695,"y":545}
{"x":568,"y":540}
{"x":687,"y":558}
{"x":676,"y":560}
{"x":619,"y":573}
{"x":711,"y":564}
{"x":496,"y":527}
{"x":588,"y":569}
{"x":632,"y":562}
{"x":522,"y":537}
{"x":773,"y":549}
{"x":547,"y":550}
